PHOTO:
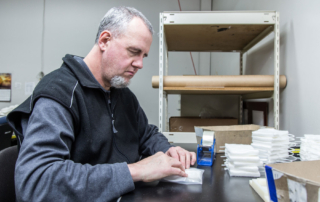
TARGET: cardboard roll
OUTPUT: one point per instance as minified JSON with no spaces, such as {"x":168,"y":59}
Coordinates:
{"x":219,"y":81}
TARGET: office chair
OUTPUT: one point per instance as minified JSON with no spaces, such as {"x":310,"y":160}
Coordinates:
{"x":5,"y":135}
{"x":8,"y":158}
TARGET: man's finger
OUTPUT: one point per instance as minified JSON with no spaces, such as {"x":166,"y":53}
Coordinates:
{"x":193,"y":158}
{"x":182,"y":157}
{"x":177,"y":171}
{"x":177,"y":164}
{"x":187,"y":159}
{"x":173,"y":153}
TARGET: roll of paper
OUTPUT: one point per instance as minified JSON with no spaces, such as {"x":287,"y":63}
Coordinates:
{"x":219,"y":81}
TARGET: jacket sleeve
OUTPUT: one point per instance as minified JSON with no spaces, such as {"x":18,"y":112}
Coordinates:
{"x":151,"y":140}
{"x":44,"y":171}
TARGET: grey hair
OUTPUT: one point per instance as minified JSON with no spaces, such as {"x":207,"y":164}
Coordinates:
{"x":116,"y":21}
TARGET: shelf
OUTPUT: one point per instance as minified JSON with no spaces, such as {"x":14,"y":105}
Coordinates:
{"x":216,"y":31}
{"x":234,"y":38}
{"x":217,"y":91}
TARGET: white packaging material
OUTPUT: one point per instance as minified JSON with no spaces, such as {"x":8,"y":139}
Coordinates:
{"x":240,"y":150}
{"x":271,"y":139}
{"x":5,"y":111}
{"x":247,"y":163}
{"x":265,"y":132}
{"x":261,"y":187}
{"x":194,"y":177}
{"x":273,"y":152}
{"x":242,"y":160}
{"x":240,"y":173}
{"x":310,"y":147}
{"x":273,"y":145}
{"x":312,"y":137}
{"x":243,"y":168}
{"x":270,"y":146}
{"x":277,"y":157}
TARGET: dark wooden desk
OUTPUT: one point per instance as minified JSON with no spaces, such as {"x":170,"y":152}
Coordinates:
{"x":217,"y":186}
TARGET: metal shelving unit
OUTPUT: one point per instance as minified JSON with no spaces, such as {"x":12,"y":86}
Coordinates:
{"x":225,"y":31}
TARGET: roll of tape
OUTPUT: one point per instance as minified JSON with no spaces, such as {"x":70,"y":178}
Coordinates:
{"x":207,"y":138}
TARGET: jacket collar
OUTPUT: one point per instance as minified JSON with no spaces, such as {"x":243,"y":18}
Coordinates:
{"x":84,"y":77}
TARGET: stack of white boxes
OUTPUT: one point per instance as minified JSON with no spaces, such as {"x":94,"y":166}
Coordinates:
{"x":273,"y":145}
{"x":310,"y":148}
{"x":242,"y":160}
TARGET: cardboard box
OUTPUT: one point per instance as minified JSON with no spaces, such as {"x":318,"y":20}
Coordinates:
{"x":237,"y":134}
{"x":186,"y":124}
{"x":295,"y":181}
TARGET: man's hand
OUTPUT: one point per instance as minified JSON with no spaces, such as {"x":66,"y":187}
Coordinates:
{"x":182,"y":155}
{"x":156,"y":167}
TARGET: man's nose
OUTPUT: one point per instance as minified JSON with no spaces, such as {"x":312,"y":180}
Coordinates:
{"x":138,"y":63}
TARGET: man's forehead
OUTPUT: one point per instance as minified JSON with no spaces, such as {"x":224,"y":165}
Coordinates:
{"x":137,"y":25}
{"x":137,"y":36}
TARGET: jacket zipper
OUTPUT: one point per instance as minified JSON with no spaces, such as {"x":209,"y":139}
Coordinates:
{"x":114,"y":130}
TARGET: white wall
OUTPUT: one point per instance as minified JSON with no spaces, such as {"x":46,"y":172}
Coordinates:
{"x":71,"y":25}
{"x":20,"y":44}
{"x":299,"y":60}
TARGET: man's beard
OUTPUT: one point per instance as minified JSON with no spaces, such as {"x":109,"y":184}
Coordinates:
{"x":119,"y":82}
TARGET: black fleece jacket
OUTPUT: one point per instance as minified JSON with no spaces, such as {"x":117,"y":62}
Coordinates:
{"x":78,"y":138}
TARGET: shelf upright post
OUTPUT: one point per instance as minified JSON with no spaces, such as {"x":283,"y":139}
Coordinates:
{"x":165,"y":93}
{"x":161,"y":72}
{"x":240,"y":97}
{"x":276,"y":98}
{"x":241,"y":63}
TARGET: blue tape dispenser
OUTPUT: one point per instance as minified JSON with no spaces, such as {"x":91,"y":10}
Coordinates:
{"x":205,"y":154}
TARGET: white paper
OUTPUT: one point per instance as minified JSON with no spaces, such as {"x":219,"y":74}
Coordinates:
{"x":17,"y":85}
{"x":194,"y":177}
{"x":297,"y":191}
{"x":29,"y":87}
{"x":5,"y":94}
{"x":276,"y":174}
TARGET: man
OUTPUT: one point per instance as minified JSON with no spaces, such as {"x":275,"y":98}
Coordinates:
{"x":82,"y":132}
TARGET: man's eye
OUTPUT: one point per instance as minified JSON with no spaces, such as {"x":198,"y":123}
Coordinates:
{"x":134,"y":52}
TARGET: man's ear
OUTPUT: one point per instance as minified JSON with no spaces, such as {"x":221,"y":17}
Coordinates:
{"x":104,"y":38}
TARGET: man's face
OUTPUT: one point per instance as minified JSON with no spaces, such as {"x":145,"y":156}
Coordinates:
{"x":123,"y":55}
